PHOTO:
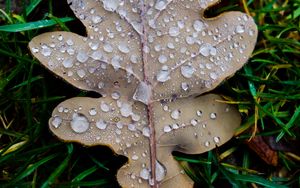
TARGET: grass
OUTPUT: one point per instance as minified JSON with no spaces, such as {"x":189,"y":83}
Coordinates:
{"x":266,"y":92}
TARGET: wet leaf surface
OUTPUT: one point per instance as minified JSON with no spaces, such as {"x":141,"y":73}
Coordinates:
{"x":149,"y":60}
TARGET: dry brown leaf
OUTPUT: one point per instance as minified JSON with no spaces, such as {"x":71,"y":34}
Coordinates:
{"x":149,"y":60}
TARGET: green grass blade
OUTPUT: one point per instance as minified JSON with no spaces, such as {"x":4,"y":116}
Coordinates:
{"x":32,"y":6}
{"x":32,"y":25}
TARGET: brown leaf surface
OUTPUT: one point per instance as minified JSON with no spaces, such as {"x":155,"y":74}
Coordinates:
{"x":149,"y":59}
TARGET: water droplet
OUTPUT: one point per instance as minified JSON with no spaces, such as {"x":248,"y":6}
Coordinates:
{"x":199,"y":113}
{"x":162,"y":59}
{"x":175,"y":114}
{"x":123,"y":47}
{"x":101,"y":124}
{"x":142,"y":93}
{"x":135,"y":157}
{"x":240,"y":29}
{"x":94,"y":45}
{"x":56,"y":121}
{"x":217,"y":139}
{"x":79,"y":123}
{"x":81,"y":73}
{"x":104,"y":107}
{"x":35,"y":50}
{"x":187,"y":71}
{"x":134,"y":58}
{"x":146,"y":132}
{"x":213,"y":115}
{"x":163,"y":76}
{"x":131,"y":127}
{"x":68,"y":63}
{"x":167,"y":128}
{"x":198,"y":25}
{"x":93,"y":111}
{"x":111,"y":5}
{"x":160,"y":171}
{"x":144,"y":174}
{"x":207,"y":49}
{"x":96,"y":19}
{"x":82,"y":56}
{"x":126,"y":110}
{"x":115,"y":95}
{"x":160,"y":5}
{"x":194,"y":122}
{"x":46,"y":51}
{"x":213,"y":75}
{"x":108,"y":48}
{"x":185,"y":86}
{"x":174,"y":31}
{"x":207,"y":144}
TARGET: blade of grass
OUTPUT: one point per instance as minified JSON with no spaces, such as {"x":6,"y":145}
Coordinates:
{"x":33,"y":25}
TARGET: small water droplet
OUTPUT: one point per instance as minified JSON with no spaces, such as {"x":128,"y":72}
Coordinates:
{"x":93,"y":111}
{"x":79,"y":123}
{"x":174,"y":31}
{"x":187,"y":71}
{"x":160,"y":5}
{"x":104,"y":107}
{"x":115,"y":95}
{"x":175,"y":114}
{"x":185,"y":86}
{"x":167,"y":128}
{"x":35,"y":50}
{"x":213,"y":75}
{"x":46,"y":51}
{"x":96,"y":19}
{"x":163,"y":76}
{"x":162,"y":59}
{"x":194,"y":122}
{"x":175,"y":126}
{"x":81,"y":73}
{"x":213,"y":115}
{"x":144,"y":174}
{"x":146,"y":132}
{"x":199,"y":113}
{"x":101,"y":124}
{"x":123,"y":47}
{"x":198,"y":25}
{"x":240,"y":29}
{"x":135,"y":157}
{"x":126,"y":110}
{"x":56,"y":121}
{"x":68,"y":63}
{"x":108,"y":48}
{"x":217,"y":139}
{"x":207,"y":49}
{"x":207,"y":144}
{"x":82,"y":56}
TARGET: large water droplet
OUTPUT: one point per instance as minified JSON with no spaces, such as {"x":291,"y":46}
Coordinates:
{"x":146,"y":132}
{"x":142,"y":93}
{"x":46,"y":51}
{"x":160,"y":171}
{"x":79,"y":123}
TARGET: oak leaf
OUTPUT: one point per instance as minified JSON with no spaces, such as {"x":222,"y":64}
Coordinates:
{"x":150,"y":60}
